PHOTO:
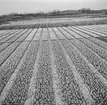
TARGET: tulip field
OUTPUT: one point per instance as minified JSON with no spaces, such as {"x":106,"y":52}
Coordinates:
{"x":64,"y":65}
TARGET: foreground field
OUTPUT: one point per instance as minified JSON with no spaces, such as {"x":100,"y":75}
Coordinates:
{"x":54,"y":66}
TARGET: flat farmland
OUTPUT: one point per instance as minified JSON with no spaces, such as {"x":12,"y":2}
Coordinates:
{"x":53,"y":22}
{"x":64,"y":65}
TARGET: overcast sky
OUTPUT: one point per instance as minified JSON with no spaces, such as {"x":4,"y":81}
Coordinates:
{"x":21,"y":6}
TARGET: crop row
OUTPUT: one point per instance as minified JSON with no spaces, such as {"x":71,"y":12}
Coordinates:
{"x":14,"y":49}
{"x":33,"y":33}
{"x":96,"y":46}
{"x":99,"y":50}
{"x":10,"y":41}
{"x":97,"y":90}
{"x":7,"y":35}
{"x":68,"y":33}
{"x":100,"y":34}
{"x":93,"y":46}
{"x":9,"y":50}
{"x":103,"y":33}
{"x":70,"y":91}
{"x":10,"y":64}
{"x":3,"y":31}
{"x":80,"y":31}
{"x":6,"y":32}
{"x":102,"y":28}
{"x":93,"y":58}
{"x":45,"y":37}
{"x":99,"y":42}
{"x":91,"y":37}
{"x":44,"y":92}
{"x":38,"y":34}
{"x":6,"y":39}
{"x":9,"y":38}
{"x":76,"y":32}
{"x":92,"y":31}
{"x":18,"y":92}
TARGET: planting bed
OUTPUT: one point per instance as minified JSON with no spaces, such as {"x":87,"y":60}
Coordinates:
{"x":53,"y":65}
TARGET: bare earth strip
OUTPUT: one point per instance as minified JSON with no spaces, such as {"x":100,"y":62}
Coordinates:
{"x":91,"y":66}
{"x":82,"y":86}
{"x":31,"y":91}
{"x":11,"y":80}
{"x":55,"y":75}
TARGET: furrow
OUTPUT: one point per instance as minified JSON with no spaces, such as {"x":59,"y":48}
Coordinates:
{"x":91,"y":66}
{"x":8,"y":51}
{"x":70,"y":90}
{"x":7,"y":44}
{"x":94,"y":39}
{"x":96,"y":88}
{"x":98,"y":31}
{"x":31,"y":91}
{"x":94,"y":47}
{"x":17,"y":94}
{"x":54,"y":72}
{"x":44,"y":93}
{"x":8,"y":35}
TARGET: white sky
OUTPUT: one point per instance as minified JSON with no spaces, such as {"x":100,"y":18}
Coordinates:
{"x":21,"y":6}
